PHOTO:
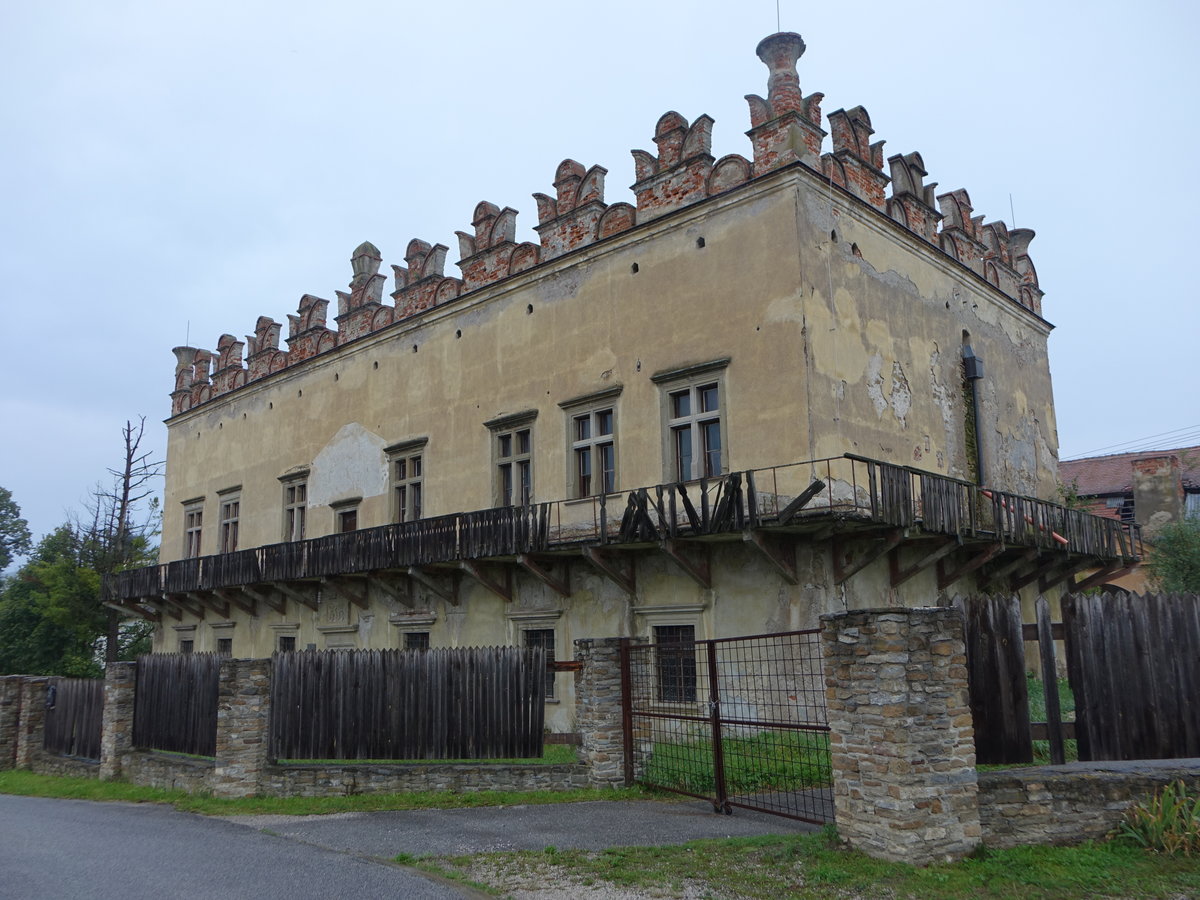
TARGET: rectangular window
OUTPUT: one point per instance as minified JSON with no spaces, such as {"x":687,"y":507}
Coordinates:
{"x":694,"y":421}
{"x":544,"y":638}
{"x":225,"y":646}
{"x":230,"y":511}
{"x":287,"y":643}
{"x":514,"y":467}
{"x":416,"y":640}
{"x":408,"y":479}
{"x":185,"y":646}
{"x":695,"y":424}
{"x":347,"y":519}
{"x":295,"y":510}
{"x":675,"y":662}
{"x":593,"y":452}
{"x":193,"y":527}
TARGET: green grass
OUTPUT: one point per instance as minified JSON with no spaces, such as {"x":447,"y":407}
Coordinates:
{"x":817,"y":866}
{"x":552,"y":755}
{"x":769,"y":760}
{"x":26,"y":783}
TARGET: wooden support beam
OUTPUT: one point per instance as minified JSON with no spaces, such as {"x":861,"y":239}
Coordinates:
{"x":844,"y":569}
{"x":298,"y":595}
{"x":449,"y":594}
{"x":278,"y":604}
{"x":1019,"y":581}
{"x":561,"y":586}
{"x":136,"y":609}
{"x":1000,"y":573}
{"x":185,"y":603}
{"x":164,"y":606}
{"x":384,"y":586}
{"x":788,"y":512}
{"x":206,"y":599}
{"x":947,"y":576}
{"x":899,"y":576}
{"x":343,"y":589}
{"x":1053,"y":580}
{"x":606,"y":565}
{"x":242,"y":601}
{"x":699,"y":571}
{"x":1115,"y":570}
{"x":780,"y":552}
{"x":476,"y":571}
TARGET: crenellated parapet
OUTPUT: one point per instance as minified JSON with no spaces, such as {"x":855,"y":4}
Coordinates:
{"x":360,"y":311}
{"x":571,"y":218}
{"x":855,"y":163}
{"x":786,"y":128}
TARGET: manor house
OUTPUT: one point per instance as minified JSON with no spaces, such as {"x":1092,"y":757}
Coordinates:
{"x":770,"y":387}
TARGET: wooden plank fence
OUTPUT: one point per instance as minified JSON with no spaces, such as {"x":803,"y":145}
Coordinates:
{"x":175,"y":705}
{"x":1133,"y":665}
{"x":471,"y":703}
{"x":74,"y":716}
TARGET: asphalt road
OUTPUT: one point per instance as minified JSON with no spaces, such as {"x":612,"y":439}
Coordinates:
{"x":587,"y":826}
{"x":68,"y":849}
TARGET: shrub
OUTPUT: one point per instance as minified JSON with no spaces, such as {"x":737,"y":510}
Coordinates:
{"x":1169,"y":822}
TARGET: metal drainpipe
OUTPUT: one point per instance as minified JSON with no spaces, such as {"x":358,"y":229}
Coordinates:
{"x":973,"y":366}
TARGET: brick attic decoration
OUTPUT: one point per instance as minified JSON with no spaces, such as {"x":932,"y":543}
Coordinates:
{"x":785,"y":130}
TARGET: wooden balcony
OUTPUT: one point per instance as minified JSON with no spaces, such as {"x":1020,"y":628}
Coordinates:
{"x":864,"y":508}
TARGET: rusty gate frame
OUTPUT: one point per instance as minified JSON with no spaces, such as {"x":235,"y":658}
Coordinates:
{"x":821,"y":798}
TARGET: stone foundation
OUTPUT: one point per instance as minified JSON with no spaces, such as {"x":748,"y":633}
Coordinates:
{"x":1072,"y":803}
{"x":902,"y":742}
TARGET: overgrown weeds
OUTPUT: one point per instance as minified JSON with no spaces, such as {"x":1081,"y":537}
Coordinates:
{"x":1168,"y":822}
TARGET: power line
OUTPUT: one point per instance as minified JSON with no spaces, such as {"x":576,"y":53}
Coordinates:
{"x":1177,"y":435}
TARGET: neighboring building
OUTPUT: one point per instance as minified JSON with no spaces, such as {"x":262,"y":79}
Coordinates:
{"x":1149,"y":488}
{"x":728,"y":339}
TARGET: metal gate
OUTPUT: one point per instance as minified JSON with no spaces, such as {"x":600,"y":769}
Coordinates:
{"x":735,"y":721}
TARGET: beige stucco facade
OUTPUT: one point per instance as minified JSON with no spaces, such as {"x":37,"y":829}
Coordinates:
{"x":827,"y":326}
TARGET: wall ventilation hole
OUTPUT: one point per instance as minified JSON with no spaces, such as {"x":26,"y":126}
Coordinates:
{"x":700,"y":242}
{"x":854,"y":249}
{"x":529,"y":309}
{"x":271,"y":405}
{"x":300,"y":393}
{"x":833,"y":236}
{"x":414,"y":348}
{"x":220,"y":425}
{"x":336,"y":376}
{"x":634,"y":268}
{"x":375,"y":365}
{"x":243,"y":415}
{"x":947,"y":304}
{"x":458,"y":332}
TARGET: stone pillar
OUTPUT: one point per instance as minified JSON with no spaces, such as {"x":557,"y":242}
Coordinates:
{"x":598,"y":709}
{"x":31,"y":728}
{"x":243,"y":717}
{"x":116,"y":729}
{"x":10,"y":718}
{"x":901,"y":734}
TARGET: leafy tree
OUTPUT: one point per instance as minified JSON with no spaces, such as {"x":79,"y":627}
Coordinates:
{"x":1174,"y":562}
{"x":14,"y":530}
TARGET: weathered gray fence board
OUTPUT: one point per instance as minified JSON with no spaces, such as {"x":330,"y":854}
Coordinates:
{"x":73,"y":721}
{"x":476,"y":703}
{"x":175,"y":706}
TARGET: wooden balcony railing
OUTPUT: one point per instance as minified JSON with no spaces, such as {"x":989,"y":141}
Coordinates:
{"x":848,"y":488}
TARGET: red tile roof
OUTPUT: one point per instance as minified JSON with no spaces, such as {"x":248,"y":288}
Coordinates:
{"x":1114,"y":474}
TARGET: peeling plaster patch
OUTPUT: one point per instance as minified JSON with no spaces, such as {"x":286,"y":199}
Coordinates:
{"x":944,"y":398}
{"x":875,"y":384}
{"x":901,"y":393}
{"x":350,"y":465}
{"x":364,"y":629}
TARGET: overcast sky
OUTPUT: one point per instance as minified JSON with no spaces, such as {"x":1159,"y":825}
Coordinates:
{"x":174,"y":170}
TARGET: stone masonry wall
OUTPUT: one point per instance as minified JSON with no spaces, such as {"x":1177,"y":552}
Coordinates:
{"x":598,"y":712}
{"x":116,"y":736}
{"x":243,"y":719}
{"x":338,"y":780}
{"x":901,"y":734}
{"x":31,"y":729}
{"x":1072,"y":803}
{"x":10,"y":717}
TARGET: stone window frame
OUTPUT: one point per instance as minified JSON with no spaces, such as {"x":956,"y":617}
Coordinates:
{"x":185,"y":638}
{"x":551,"y":620}
{"x":690,"y":380}
{"x":649,"y":619}
{"x":286,"y":631}
{"x":406,"y":486}
{"x":512,"y":439}
{"x":294,"y":486}
{"x":413,"y":623}
{"x":193,"y":527}
{"x":589,"y":406}
{"x":229,"y":505}
{"x":345,"y":511}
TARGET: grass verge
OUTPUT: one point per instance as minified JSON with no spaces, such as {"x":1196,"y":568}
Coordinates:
{"x":817,"y":866}
{"x":30,"y":785}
